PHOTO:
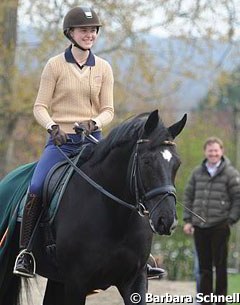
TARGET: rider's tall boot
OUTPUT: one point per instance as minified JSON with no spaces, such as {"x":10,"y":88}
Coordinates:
{"x":25,"y":263}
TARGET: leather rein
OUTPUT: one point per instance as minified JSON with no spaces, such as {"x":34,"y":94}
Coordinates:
{"x":135,"y":184}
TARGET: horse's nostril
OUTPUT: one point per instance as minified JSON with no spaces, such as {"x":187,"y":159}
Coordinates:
{"x":165,"y":227}
{"x":160,"y":221}
{"x":161,"y":225}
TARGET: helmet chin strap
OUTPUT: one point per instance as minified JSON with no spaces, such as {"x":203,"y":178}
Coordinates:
{"x":77,"y":45}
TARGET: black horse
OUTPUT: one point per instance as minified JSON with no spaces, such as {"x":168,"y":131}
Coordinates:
{"x":101,"y":242}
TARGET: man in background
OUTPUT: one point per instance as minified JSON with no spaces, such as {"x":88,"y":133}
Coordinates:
{"x":213,"y":193}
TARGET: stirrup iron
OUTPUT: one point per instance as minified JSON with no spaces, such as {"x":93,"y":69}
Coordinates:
{"x":25,"y":252}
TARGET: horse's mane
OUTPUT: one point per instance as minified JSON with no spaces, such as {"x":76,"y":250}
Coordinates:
{"x":129,"y":131}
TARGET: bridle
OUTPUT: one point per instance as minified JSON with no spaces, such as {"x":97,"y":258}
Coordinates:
{"x":137,"y":186}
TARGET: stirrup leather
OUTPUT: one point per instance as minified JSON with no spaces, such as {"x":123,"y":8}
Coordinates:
{"x":25,"y":252}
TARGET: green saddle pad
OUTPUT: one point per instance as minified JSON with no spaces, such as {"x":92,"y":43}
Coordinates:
{"x":12,"y":189}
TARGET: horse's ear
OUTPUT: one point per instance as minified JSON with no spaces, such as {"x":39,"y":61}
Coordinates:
{"x":176,"y":128}
{"x":152,"y":122}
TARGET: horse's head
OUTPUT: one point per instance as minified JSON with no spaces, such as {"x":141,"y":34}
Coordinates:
{"x":142,"y":149}
{"x":154,"y":166}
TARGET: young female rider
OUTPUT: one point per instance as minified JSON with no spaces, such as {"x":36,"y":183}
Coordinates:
{"x":75,"y":86}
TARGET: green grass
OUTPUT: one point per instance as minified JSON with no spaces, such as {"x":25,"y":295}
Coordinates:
{"x":233,"y":283}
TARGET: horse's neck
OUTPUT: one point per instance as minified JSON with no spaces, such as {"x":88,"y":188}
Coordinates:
{"x":112,"y":171}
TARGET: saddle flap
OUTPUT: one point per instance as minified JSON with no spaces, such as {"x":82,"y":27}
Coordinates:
{"x":56,"y":183}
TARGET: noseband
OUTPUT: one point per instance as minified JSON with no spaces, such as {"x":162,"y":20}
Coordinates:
{"x":137,"y":187}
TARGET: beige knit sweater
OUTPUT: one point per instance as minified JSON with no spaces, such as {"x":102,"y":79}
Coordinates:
{"x":67,"y":94}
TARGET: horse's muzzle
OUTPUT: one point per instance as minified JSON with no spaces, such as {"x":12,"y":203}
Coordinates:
{"x":162,"y":228}
{"x":164,"y":220}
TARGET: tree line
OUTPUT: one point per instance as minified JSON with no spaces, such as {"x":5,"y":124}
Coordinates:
{"x":142,"y":83}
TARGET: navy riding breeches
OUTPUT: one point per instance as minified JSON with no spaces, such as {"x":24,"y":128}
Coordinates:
{"x":51,"y":156}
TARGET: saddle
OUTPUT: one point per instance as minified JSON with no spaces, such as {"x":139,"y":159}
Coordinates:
{"x":55,"y":184}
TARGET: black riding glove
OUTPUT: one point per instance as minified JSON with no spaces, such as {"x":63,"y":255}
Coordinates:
{"x":86,"y":126}
{"x":59,"y":137}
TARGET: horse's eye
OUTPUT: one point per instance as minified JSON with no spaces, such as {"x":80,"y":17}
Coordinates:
{"x":146,"y":162}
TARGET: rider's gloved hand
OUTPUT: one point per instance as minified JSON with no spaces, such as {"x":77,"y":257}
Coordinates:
{"x":86,"y":126}
{"x":59,"y":137}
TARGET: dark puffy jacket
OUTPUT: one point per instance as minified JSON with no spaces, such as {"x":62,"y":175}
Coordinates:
{"x":216,"y":199}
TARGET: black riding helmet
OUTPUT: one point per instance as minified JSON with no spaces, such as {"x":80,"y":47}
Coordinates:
{"x":79,"y":17}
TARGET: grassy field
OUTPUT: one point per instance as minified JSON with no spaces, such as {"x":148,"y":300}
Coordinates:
{"x":233,"y":283}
